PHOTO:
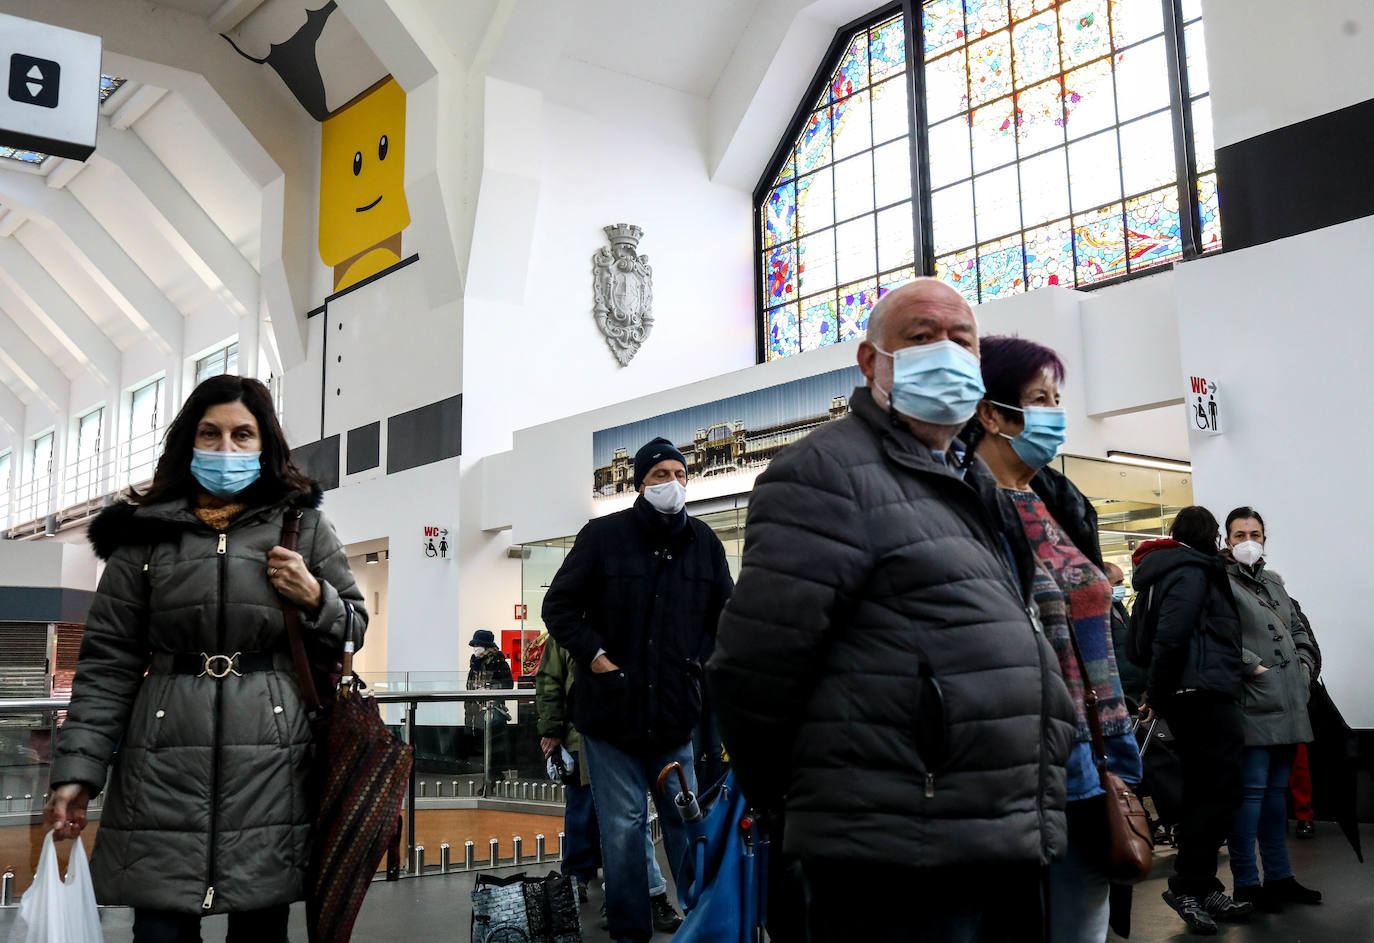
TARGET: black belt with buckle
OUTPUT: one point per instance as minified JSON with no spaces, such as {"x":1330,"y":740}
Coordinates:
{"x":217,"y":666}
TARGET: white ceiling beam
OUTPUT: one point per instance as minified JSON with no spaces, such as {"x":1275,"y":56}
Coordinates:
{"x":136,"y":106}
{"x":285,"y":263}
{"x":63,"y":172}
{"x":231,"y":13}
{"x":11,"y":411}
{"x":35,"y":371}
{"x":30,"y":284}
{"x":11,"y":220}
{"x":188,"y":228}
{"x":103,"y":258}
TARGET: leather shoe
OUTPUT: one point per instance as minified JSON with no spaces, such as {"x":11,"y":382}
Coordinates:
{"x":666,"y":919}
{"x":1288,"y":889}
{"x":1261,"y":897}
{"x":1307,"y":829}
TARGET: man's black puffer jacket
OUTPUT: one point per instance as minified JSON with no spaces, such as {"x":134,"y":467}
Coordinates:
{"x":649,"y":592}
{"x":878,"y":671}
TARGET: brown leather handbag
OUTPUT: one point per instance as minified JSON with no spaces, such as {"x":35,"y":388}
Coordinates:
{"x":1130,"y":846}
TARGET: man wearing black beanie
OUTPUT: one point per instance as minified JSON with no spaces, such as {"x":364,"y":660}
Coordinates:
{"x":635,"y":604}
{"x":653,"y":452}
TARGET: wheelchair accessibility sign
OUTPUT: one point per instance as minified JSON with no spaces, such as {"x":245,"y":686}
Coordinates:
{"x":1204,"y":405}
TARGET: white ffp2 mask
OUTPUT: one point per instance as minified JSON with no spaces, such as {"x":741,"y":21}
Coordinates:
{"x":667,"y":498}
{"x":1248,"y":552}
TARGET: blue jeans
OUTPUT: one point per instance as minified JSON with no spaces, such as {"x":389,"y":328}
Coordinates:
{"x":1079,"y":888}
{"x":582,"y":840}
{"x":581,"y":837}
{"x":1263,"y":815}
{"x":620,"y":782}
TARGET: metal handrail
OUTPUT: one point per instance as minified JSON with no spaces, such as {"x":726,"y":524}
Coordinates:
{"x":27,"y":705}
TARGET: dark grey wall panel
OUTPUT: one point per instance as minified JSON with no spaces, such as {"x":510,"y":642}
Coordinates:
{"x":429,"y":434}
{"x":320,"y":460}
{"x":364,"y":448}
{"x":44,"y":604}
{"x":1298,"y":178}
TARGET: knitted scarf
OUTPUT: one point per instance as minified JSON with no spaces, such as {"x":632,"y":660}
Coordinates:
{"x":216,"y":512}
{"x":1075,"y":596}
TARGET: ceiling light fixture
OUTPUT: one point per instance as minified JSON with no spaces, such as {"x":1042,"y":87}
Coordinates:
{"x":1149,"y":461}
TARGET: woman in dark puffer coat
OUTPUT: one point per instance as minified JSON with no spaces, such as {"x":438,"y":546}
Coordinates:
{"x":185,"y":681}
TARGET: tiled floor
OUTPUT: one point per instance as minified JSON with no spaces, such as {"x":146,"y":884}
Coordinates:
{"x":437,"y":910}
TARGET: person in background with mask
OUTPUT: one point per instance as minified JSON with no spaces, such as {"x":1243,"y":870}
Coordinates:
{"x":1052,"y":527}
{"x":1195,"y":684}
{"x":1280,"y":663}
{"x":1133,"y":678}
{"x":880,"y":676}
{"x":185,"y":666}
{"x":635,"y":605}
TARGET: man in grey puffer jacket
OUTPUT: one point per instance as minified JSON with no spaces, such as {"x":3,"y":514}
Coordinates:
{"x":880,"y":672}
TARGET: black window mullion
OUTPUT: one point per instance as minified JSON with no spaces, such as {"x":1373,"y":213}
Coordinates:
{"x":760,"y":302}
{"x":1185,"y":151}
{"x":1016,"y":144}
{"x":1064,"y":125}
{"x":919,"y":140}
{"x":972,"y":167}
{"x":1116,"y":130}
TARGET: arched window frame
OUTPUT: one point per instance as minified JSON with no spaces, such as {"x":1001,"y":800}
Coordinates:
{"x":1180,"y":104}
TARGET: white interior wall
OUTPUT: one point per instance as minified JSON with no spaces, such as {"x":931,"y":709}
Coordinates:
{"x":422,"y":593}
{"x":1290,"y":355}
{"x":1273,"y":63}
{"x":611,"y":150}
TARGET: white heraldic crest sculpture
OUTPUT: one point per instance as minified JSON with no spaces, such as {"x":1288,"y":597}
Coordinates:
{"x":622,"y":287}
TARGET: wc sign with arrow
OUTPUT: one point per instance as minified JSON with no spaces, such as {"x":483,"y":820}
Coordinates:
{"x":51,"y":100}
{"x":1204,"y":406}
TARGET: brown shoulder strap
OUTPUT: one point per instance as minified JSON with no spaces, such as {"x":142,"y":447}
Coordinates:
{"x":290,"y":536}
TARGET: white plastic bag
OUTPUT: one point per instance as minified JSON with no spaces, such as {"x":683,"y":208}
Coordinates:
{"x":56,"y":911}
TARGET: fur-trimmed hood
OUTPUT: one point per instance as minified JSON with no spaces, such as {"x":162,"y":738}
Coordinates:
{"x":124,"y":523}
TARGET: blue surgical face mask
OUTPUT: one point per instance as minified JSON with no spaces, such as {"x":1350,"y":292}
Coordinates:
{"x":225,"y":474}
{"x":1044,"y":433}
{"x":939,"y":383}
{"x":1119,"y":593}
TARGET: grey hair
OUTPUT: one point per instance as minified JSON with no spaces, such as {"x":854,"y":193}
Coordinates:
{"x":874,"y":333}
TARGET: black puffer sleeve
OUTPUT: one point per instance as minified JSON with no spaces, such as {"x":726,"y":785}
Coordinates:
{"x":114,"y":658}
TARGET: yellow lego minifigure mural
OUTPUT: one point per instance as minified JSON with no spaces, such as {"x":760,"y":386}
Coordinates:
{"x":362,"y":184}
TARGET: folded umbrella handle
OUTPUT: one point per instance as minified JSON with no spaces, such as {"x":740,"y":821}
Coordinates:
{"x":681,"y":776}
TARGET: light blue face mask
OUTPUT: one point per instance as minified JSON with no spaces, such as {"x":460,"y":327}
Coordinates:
{"x":1044,"y":433}
{"x":939,"y":383}
{"x":225,"y":474}
{"x":1119,"y":593}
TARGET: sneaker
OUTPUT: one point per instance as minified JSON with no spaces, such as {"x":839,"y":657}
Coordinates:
{"x":1222,"y":907}
{"x":1288,"y":889}
{"x":1307,"y":829}
{"x":1192,"y":912}
{"x":581,"y":886}
{"x":666,"y":919}
{"x":1260,"y":897}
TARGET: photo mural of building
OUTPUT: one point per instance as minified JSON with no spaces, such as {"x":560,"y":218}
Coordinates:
{"x":735,"y":435}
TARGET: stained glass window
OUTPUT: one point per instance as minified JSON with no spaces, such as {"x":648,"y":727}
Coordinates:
{"x":1050,"y":157}
{"x":109,"y":84}
{"x":1200,"y":106}
{"x":836,"y":224}
{"x":1057,"y":163}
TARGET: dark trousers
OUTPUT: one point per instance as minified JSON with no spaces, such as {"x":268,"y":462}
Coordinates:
{"x":248,"y":926}
{"x":1209,"y":739}
{"x":581,"y":836}
{"x":887,"y":903}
